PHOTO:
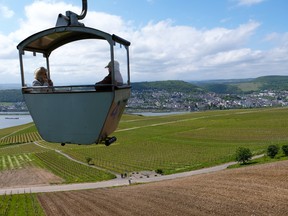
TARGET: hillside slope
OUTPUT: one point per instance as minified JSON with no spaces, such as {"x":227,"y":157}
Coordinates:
{"x":276,"y":83}
{"x":169,"y":85}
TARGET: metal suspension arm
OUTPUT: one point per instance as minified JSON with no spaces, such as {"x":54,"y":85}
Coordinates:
{"x":71,"y":18}
{"x":84,"y":10}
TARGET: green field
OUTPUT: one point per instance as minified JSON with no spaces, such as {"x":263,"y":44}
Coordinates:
{"x":21,"y":204}
{"x":174,"y":143}
{"x":186,"y":142}
{"x":249,"y":86}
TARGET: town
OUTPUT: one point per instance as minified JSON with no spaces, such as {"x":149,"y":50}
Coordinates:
{"x":162,"y":100}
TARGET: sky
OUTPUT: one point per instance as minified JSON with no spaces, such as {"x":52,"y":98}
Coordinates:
{"x":188,"y":40}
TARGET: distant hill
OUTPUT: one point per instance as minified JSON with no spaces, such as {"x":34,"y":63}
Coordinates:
{"x":222,"y":88}
{"x":12,"y":92}
{"x":273,"y":82}
{"x":235,"y":86}
{"x":11,"y":95}
{"x":170,"y":86}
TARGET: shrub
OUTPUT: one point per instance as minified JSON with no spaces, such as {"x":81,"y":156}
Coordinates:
{"x":243,"y":155}
{"x":272,"y":151}
{"x":159,"y":171}
{"x":285,"y":149}
{"x":88,"y":160}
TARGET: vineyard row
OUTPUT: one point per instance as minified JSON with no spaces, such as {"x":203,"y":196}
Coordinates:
{"x":23,"y":204}
{"x":69,"y":170}
{"x":21,"y":138}
{"x":9,"y":162}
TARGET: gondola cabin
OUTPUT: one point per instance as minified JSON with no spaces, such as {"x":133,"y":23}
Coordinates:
{"x":78,"y":114}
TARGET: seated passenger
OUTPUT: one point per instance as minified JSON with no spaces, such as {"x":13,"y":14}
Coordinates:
{"x":41,"y":78}
{"x":108,"y":78}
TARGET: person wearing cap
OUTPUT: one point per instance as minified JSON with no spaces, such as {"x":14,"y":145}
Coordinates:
{"x":41,"y":78}
{"x":118,"y":76}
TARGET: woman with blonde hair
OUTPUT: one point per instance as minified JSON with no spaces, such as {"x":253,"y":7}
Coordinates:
{"x":41,"y":78}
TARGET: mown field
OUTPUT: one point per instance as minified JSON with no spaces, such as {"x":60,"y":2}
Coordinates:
{"x":172,"y":144}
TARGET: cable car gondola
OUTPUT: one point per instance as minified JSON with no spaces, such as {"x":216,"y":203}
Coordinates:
{"x":78,"y":114}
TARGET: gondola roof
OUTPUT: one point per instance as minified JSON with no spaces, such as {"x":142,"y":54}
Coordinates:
{"x":50,"y":39}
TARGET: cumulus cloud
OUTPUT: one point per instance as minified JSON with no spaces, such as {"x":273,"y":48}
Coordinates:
{"x":159,"y":50}
{"x":39,"y":16}
{"x":182,"y":51}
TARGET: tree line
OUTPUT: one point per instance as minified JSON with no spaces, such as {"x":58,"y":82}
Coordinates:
{"x":11,"y":95}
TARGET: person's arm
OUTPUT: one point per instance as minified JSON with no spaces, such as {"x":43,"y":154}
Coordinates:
{"x":50,"y":83}
{"x":36,"y":83}
{"x":106,"y":80}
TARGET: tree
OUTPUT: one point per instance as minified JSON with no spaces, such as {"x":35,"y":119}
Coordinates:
{"x":243,"y":155}
{"x":285,"y":149}
{"x":88,"y":160}
{"x":272,"y":151}
{"x":159,"y":171}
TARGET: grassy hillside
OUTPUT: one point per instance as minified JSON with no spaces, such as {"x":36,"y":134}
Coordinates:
{"x":170,"y":86}
{"x":11,"y":95}
{"x":173,"y":143}
{"x":273,"y":82}
{"x":235,"y":86}
{"x":223,"y":88}
{"x":279,"y":83}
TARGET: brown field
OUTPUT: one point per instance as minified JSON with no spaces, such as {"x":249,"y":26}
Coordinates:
{"x":256,"y":190}
{"x":27,"y":177}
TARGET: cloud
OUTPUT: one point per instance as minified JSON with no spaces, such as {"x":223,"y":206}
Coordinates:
{"x":249,"y":2}
{"x":40,"y":15}
{"x":277,"y":38}
{"x":5,"y":12}
{"x":182,"y":51}
{"x":159,"y":50}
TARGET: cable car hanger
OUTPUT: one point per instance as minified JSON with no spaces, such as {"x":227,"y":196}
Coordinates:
{"x":71,"y":18}
{"x":75,"y":114}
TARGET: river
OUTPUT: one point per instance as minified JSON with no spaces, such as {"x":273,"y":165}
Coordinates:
{"x":15,"y":119}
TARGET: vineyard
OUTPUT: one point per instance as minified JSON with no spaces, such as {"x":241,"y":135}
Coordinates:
{"x":9,"y":162}
{"x":69,"y":170}
{"x":22,"y":204}
{"x":19,"y":134}
{"x":186,"y":142}
{"x":21,"y":138}
{"x":172,"y":144}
